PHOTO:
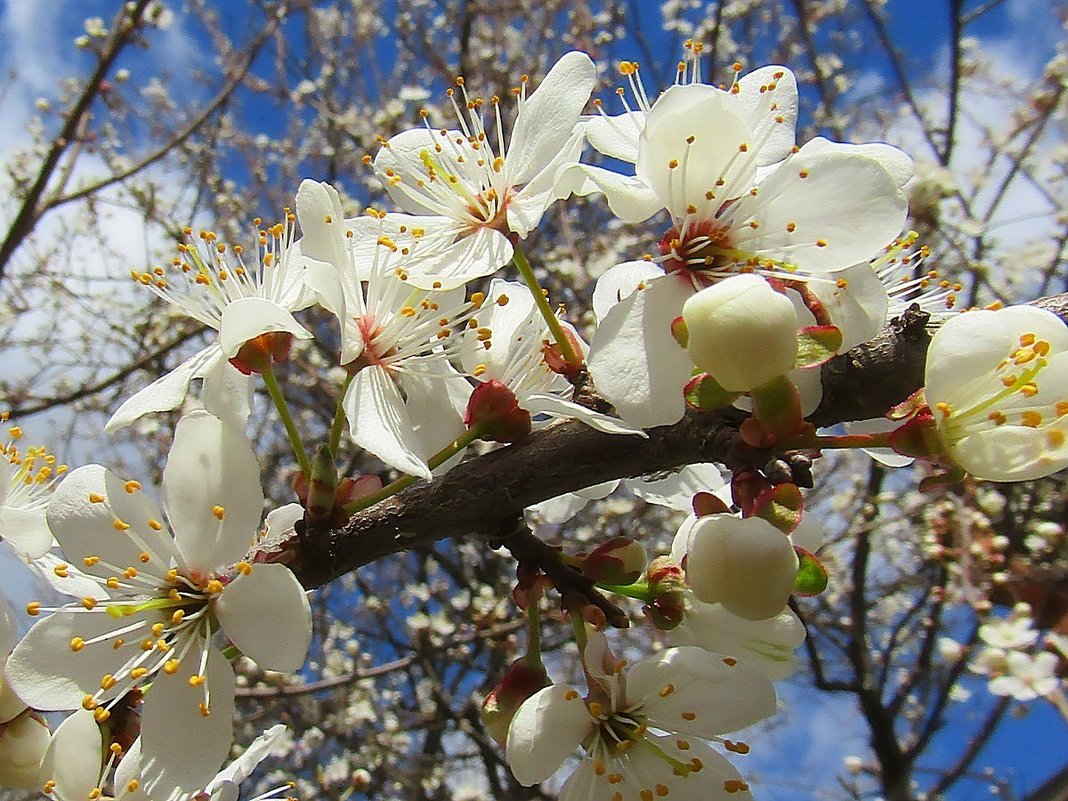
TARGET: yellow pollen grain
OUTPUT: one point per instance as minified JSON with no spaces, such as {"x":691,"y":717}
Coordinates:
{"x":133,"y":785}
{"x":61,"y":571}
{"x":100,"y":714}
{"x":48,"y":787}
{"x":214,"y":587}
{"x":244,"y":568}
{"x":138,"y":673}
{"x":89,"y":602}
{"x":1030,"y":389}
{"x":1031,"y":418}
{"x":130,"y":572}
{"x":90,"y":561}
{"x":89,"y":703}
{"x":155,"y":525}
{"x":219,"y":512}
{"x":96,"y":497}
{"x":170,"y":667}
{"x":108,"y":682}
{"x":132,"y":486}
{"x":33,"y":608}
{"x":196,"y":681}
{"x":112,"y":582}
{"x":77,"y":644}
{"x":121,"y":525}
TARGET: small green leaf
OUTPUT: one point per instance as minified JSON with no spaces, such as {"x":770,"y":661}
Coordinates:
{"x":705,"y":394}
{"x":811,"y":574}
{"x":781,"y":506}
{"x":817,"y":344}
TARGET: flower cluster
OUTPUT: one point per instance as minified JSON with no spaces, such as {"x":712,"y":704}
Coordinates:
{"x":771,"y":257}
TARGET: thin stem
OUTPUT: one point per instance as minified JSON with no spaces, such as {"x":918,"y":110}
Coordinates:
{"x":339,"y":419}
{"x":533,"y":655}
{"x":438,"y":459}
{"x":835,"y":441}
{"x":638,"y":590}
{"x":519,"y":259}
{"x":578,"y":625}
{"x":275,"y":391}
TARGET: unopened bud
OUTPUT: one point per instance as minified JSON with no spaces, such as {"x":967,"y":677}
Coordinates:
{"x":23,"y":742}
{"x":258,"y":355}
{"x":667,"y":586}
{"x":621,"y":560}
{"x":521,"y":681}
{"x":494,"y":409}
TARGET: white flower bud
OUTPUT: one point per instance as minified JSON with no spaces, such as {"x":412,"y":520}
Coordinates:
{"x":741,"y":332}
{"x":23,"y":742}
{"x":747,"y":565}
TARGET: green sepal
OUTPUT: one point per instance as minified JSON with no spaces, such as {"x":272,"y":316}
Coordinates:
{"x":811,"y":574}
{"x":817,"y":344}
{"x":781,"y":506}
{"x":705,"y":394}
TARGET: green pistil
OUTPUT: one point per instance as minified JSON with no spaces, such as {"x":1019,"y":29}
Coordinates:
{"x":125,"y":610}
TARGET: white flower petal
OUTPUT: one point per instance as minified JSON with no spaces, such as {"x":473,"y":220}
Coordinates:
{"x":23,"y":743}
{"x":83,"y":511}
{"x":630,"y":198}
{"x":400,"y":156}
{"x":73,"y":759}
{"x":379,"y":421}
{"x":893,"y":160}
{"x":767,"y":100}
{"x":183,"y":749}
{"x":167,"y":392}
{"x":546,"y":120}
{"x":471,"y":256}
{"x":635,"y":362}
{"x":248,"y":318}
{"x":48,"y":675}
{"x":558,"y":407}
{"x":616,"y":136}
{"x":843,"y":211}
{"x":723,"y":694}
{"x":546,"y":730}
{"x":227,"y":394}
{"x":26,"y":530}
{"x":676,"y":490}
{"x":527,"y":206}
{"x":266,"y":615}
{"x":620,"y":281}
{"x":703,"y":155}
{"x":435,"y":397}
{"x":211,"y":466}
{"x":7,"y":628}
{"x":323,"y":241}
{"x":242,"y":767}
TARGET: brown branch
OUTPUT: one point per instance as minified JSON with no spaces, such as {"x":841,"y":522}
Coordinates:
{"x":485,"y":495}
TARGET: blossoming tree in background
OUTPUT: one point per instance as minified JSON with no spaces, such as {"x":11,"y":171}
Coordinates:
{"x":540,"y":440}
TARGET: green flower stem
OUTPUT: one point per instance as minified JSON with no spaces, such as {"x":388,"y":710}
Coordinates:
{"x":231,"y":652}
{"x":578,"y":625}
{"x":271,"y":381}
{"x":339,"y":419}
{"x":519,"y":259}
{"x":814,"y":442}
{"x":639,"y":590}
{"x":438,"y":459}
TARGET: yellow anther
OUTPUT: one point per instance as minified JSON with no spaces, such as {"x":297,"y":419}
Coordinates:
{"x":107,"y":682}
{"x":570,"y":695}
{"x":1062,"y":408}
{"x":802,"y":174}
{"x":158,"y":629}
{"x":132,"y":486}
{"x":661,"y":790}
{"x":214,"y":587}
{"x":615,"y":778}
{"x":112,"y":583}
{"x":90,"y":561}
{"x":155,"y":525}
{"x":196,"y":681}
{"x":89,"y":602}
{"x":944,"y":408}
{"x":735,"y":786}
{"x":219,"y":512}
{"x":1029,"y":390}
{"x":689,"y":715}
{"x":598,"y":767}
{"x":120,"y":525}
{"x":170,"y":667}
{"x":244,"y":568}
{"x":730,"y":661}
{"x":96,"y":497}
{"x":138,"y":673}
{"x":89,"y":703}
{"x":1026,"y":340}
{"x":596,"y":709}
{"x":119,"y":642}
{"x":997,"y":418}
{"x":162,"y":646}
{"x":130,"y":572}
{"x":77,"y":644}
{"x":1055,"y":438}
{"x":133,"y":786}
{"x":33,"y":608}
{"x":95,"y":793}
{"x":646,"y":795}
{"x":736,"y":747}
{"x":147,"y":644}
{"x":668,"y":690}
{"x":174,"y":595}
{"x":101,"y":714}
{"x":821,"y":243}
{"x":1031,"y":418}
{"x":682,"y":745}
{"x":205,"y":711}
{"x":49,"y":786}
{"x":61,"y":570}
